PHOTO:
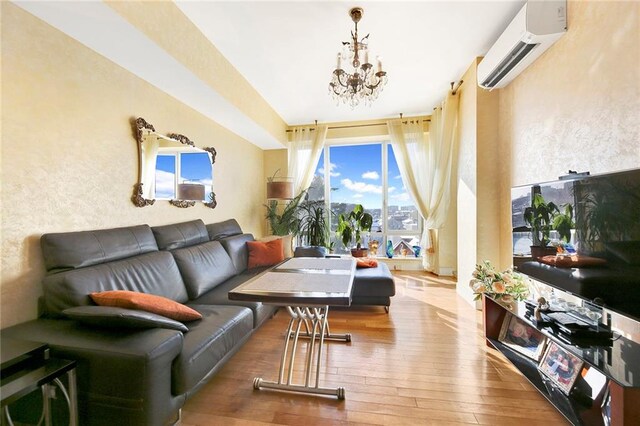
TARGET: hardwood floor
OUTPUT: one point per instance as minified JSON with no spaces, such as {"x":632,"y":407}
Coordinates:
{"x":424,"y":363}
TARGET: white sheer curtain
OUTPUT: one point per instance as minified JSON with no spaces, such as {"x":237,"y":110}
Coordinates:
{"x":426,"y":165}
{"x":149,"y":158}
{"x":304,"y":151}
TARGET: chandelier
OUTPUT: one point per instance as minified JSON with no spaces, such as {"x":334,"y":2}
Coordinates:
{"x":360,"y":83}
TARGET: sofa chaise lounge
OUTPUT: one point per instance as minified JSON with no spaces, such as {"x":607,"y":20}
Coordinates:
{"x":143,"y":376}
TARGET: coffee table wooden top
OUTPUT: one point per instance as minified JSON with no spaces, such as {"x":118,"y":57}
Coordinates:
{"x":301,"y":281}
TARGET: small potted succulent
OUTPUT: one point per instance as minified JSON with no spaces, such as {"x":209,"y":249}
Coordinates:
{"x":351,"y":227}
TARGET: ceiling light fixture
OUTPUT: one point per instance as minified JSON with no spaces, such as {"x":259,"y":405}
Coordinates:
{"x":362,"y":84}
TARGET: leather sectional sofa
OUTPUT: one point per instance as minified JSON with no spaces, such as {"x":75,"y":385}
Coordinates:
{"x":135,"y":376}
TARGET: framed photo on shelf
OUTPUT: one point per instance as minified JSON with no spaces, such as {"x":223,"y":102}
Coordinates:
{"x":522,"y":338}
{"x":561,"y":366}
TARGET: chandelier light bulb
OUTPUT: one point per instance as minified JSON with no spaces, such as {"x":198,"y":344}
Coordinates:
{"x":357,"y":82}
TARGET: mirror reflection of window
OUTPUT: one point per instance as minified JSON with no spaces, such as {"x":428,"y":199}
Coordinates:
{"x":183,"y":176}
{"x":165,"y":186}
{"x":195,"y":176}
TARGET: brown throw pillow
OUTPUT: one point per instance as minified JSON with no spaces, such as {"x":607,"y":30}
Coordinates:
{"x":264,"y":253}
{"x":146,"y":302}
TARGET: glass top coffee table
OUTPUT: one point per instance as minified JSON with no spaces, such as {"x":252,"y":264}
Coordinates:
{"x":307,"y":287}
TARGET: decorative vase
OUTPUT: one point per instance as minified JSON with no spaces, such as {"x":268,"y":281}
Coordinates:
{"x":373,"y":247}
{"x":389,"y":249}
{"x":416,"y":251}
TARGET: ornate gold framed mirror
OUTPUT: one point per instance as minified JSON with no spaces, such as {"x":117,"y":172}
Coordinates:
{"x":172,"y":168}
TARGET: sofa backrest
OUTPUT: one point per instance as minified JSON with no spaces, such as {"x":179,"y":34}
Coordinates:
{"x":220,"y":230}
{"x":80,"y":263}
{"x":72,"y":250}
{"x":203,"y":267}
{"x":152,"y":273}
{"x":236,"y":247}
{"x":204,"y":264}
{"x":178,"y":235}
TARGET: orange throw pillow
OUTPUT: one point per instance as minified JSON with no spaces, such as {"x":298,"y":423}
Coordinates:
{"x":366,"y":263}
{"x":576,"y":261}
{"x":146,"y":302}
{"x":265,"y":253}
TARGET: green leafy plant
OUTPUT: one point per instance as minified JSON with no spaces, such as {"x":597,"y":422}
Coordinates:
{"x":284,"y":220}
{"x":540,"y":218}
{"x":563,"y":223}
{"x":352,"y":225}
{"x":314,"y":224}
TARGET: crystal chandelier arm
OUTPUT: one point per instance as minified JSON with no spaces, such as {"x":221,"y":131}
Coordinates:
{"x":340,"y":80}
{"x":379,"y":78}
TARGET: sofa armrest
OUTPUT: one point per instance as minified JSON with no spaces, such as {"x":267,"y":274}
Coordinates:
{"x":121,"y":373}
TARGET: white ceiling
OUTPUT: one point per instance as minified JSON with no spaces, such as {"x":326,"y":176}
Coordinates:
{"x":287,"y":50}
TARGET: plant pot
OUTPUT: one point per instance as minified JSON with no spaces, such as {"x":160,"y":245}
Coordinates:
{"x":537,"y":251}
{"x":362,"y":252}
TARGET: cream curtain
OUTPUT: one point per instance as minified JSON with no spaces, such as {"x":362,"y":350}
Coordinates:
{"x":426,"y":165}
{"x":304,"y":149}
{"x":149,"y":158}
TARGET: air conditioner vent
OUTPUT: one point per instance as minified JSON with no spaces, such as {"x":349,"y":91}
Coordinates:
{"x":532,"y":31}
{"x":519,"y":52}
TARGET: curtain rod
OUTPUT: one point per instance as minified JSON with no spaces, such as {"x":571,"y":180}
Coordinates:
{"x":356,"y":125}
{"x":454,"y":88}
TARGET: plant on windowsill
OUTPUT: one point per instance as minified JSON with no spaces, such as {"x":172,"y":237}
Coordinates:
{"x":506,"y":286}
{"x":351,"y":227}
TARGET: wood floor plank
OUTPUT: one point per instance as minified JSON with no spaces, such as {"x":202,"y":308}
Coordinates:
{"x":423,"y":363}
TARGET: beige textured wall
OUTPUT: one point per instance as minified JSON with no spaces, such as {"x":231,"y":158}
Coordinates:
{"x":578,"y":106}
{"x":274,"y":159}
{"x":478,"y":174}
{"x":69,"y":157}
{"x":467,"y":213}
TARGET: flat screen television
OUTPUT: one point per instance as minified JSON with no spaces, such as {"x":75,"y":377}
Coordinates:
{"x":604,"y":231}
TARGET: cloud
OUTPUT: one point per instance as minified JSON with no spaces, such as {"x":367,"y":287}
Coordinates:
{"x":165,"y":184}
{"x":403,"y":196}
{"x":332,"y":166}
{"x":357,"y":196}
{"x":398,"y":177}
{"x":361,"y":187}
{"x":373,"y":175}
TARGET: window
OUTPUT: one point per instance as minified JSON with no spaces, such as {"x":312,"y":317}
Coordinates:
{"x":194,"y":171}
{"x":367,"y":174}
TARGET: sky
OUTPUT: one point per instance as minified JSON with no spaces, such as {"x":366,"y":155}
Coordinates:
{"x":356,"y":171}
{"x":194,"y":168}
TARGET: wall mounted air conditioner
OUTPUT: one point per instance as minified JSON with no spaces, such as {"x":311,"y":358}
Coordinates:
{"x":534,"y":29}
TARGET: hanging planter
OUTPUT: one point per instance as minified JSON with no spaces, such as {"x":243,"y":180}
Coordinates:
{"x":279,"y":188}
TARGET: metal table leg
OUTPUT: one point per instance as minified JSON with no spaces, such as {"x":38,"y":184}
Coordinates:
{"x":316,"y":329}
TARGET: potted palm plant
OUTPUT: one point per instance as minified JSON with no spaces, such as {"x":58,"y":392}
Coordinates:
{"x":284,"y":220}
{"x":540,"y":217}
{"x":314,"y":224}
{"x":351,"y":226}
